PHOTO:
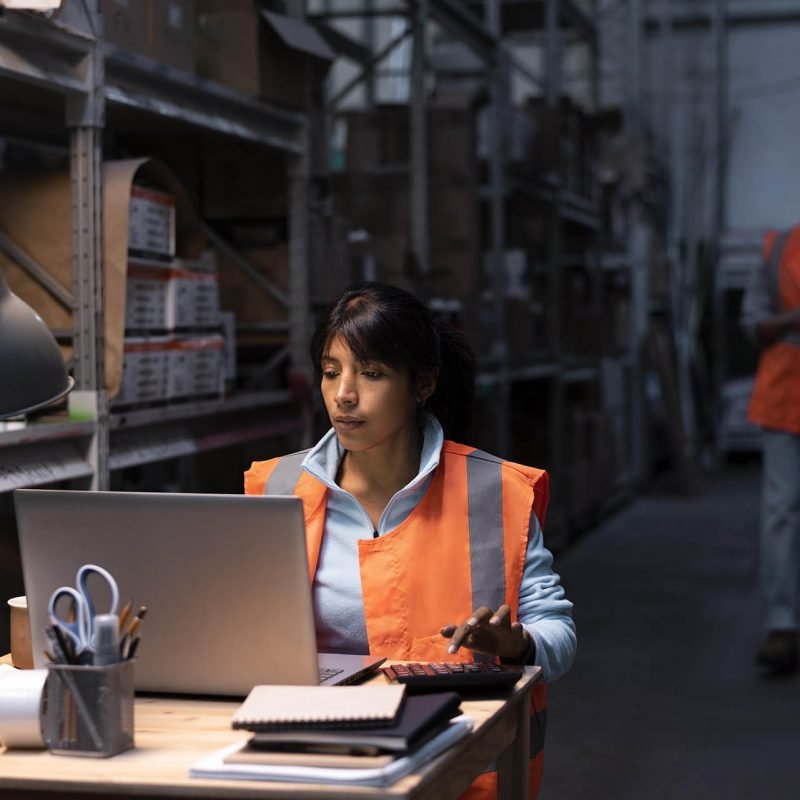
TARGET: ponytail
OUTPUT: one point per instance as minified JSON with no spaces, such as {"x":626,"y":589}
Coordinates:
{"x":452,"y":403}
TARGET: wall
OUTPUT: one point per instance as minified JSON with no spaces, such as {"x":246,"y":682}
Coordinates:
{"x":764,"y":178}
{"x":678,"y":91}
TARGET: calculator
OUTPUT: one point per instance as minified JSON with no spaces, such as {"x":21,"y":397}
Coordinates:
{"x":437,"y":676}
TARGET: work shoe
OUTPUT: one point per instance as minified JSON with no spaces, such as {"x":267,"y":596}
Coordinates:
{"x":779,"y":652}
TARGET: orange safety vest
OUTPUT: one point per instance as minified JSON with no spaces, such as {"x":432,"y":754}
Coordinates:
{"x":462,"y":547}
{"x":776,"y":396}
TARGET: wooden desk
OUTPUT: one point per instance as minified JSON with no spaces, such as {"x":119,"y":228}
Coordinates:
{"x":173,"y":733}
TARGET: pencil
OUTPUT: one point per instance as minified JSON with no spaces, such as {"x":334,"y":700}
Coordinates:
{"x":136,"y":621}
{"x":124,"y":614}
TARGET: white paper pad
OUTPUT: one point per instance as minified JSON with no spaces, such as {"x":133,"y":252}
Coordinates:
{"x":214,"y":766}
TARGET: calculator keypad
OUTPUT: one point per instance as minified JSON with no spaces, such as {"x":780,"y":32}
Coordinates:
{"x":442,"y":675}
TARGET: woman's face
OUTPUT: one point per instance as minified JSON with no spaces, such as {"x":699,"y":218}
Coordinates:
{"x":369,"y":404}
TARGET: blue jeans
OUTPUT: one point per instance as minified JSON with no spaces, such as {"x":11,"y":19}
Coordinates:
{"x":780,"y":530}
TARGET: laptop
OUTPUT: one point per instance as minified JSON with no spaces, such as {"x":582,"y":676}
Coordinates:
{"x":224,"y":579}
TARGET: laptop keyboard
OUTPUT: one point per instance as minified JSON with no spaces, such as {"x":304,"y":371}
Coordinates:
{"x":326,"y":673}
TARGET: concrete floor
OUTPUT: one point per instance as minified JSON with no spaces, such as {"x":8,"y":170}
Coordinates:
{"x":664,"y":701}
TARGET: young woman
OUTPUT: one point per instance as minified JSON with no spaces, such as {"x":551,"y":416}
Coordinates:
{"x":420,"y":548}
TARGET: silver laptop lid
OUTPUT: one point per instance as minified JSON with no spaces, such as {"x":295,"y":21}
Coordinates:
{"x":224,"y":578}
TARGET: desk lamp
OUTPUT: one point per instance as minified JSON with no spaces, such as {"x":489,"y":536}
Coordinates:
{"x":32,"y":372}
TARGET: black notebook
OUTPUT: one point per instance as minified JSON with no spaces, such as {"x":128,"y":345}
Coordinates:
{"x":421,"y":716}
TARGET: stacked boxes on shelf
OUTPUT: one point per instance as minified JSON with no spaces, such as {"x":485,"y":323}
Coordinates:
{"x":374,"y":192}
{"x":173,"y":348}
{"x":554,"y":142}
{"x":163,"y":30}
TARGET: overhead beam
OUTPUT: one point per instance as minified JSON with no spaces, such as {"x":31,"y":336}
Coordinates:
{"x":744,"y":13}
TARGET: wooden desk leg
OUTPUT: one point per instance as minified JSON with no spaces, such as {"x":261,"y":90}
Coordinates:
{"x":512,"y":765}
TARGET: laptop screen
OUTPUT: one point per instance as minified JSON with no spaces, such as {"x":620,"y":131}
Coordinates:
{"x":224,"y":578}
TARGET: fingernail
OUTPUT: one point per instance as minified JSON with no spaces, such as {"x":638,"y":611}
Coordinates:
{"x":451,"y":649}
{"x":494,"y":621}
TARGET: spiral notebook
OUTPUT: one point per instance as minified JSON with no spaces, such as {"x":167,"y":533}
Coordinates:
{"x":279,"y":708}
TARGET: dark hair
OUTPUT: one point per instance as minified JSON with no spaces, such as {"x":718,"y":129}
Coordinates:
{"x":386,"y":324}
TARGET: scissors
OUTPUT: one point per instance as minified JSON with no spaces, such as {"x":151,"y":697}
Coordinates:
{"x":80,"y":631}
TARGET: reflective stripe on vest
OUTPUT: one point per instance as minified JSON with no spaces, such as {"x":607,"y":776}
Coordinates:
{"x":485,"y":513}
{"x":286,"y":474}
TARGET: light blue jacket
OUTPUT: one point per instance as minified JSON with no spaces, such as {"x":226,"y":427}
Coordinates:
{"x":341,"y":626}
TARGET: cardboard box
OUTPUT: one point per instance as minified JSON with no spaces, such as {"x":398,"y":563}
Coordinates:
{"x":125,"y":24}
{"x":267,"y":55}
{"x":196,"y":367}
{"x":242,"y":180}
{"x":163,"y":30}
{"x":147,"y":295}
{"x":194,"y":299}
{"x":167,"y":297}
{"x":245,"y":296}
{"x":381,"y":137}
{"x":151,"y":223}
{"x":146,"y":370}
{"x":452,"y":141}
{"x":171,"y":32}
{"x":363,"y":140}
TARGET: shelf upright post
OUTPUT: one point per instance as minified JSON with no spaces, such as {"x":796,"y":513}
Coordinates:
{"x":369,"y":35}
{"x":721,"y":103}
{"x":300,"y":377}
{"x":497,"y":95}
{"x":418,"y":118}
{"x":552,"y":89}
{"x":85,"y":117}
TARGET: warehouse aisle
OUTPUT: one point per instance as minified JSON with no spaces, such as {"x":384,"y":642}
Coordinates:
{"x":664,"y":702}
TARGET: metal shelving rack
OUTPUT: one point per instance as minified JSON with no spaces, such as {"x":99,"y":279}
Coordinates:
{"x":482,"y":27}
{"x":56,"y":73}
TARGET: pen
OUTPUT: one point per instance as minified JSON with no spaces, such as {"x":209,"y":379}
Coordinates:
{"x":132,"y":649}
{"x":62,"y":648}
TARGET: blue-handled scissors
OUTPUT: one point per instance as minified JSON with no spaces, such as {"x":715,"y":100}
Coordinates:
{"x":80,"y":631}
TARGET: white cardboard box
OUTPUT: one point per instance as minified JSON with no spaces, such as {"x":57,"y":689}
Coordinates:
{"x":145,"y":370}
{"x":151,"y":222}
{"x":147,"y":295}
{"x":165,"y":296}
{"x":196,"y":366}
{"x":194,"y":295}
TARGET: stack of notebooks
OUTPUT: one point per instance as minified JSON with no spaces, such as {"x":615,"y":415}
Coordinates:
{"x":370,"y":734}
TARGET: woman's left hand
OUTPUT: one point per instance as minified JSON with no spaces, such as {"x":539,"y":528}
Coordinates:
{"x":490,"y":632}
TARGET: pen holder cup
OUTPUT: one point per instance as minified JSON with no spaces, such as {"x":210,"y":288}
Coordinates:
{"x":88,"y":710}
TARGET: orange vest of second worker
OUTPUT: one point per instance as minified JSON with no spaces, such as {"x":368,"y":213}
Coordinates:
{"x":775,"y":402}
{"x":462,"y":547}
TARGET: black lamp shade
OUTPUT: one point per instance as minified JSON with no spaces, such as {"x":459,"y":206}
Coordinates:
{"x":32,"y":371}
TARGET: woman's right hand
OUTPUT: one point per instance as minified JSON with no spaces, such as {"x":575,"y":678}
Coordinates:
{"x":490,"y":632}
